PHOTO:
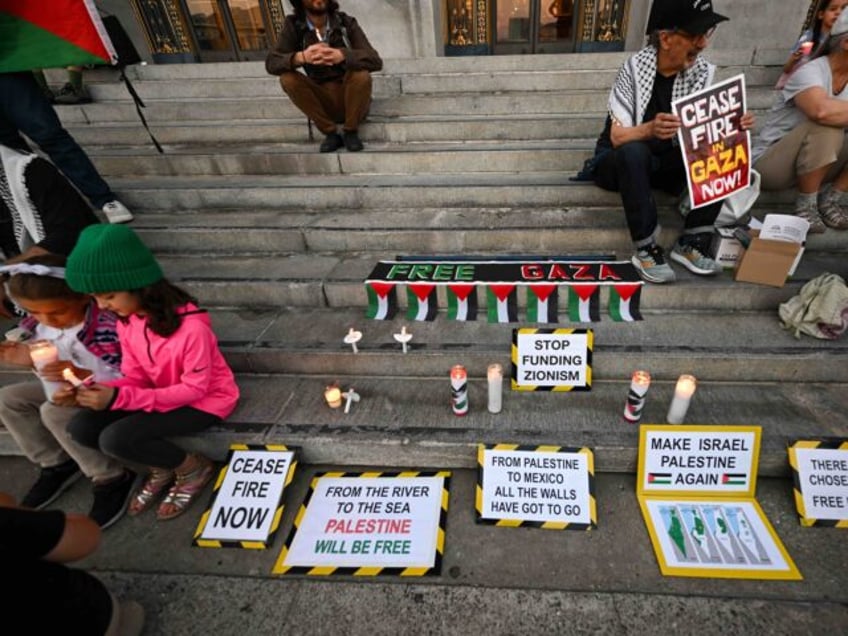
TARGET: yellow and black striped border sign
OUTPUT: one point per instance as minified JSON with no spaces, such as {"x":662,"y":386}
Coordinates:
{"x":280,"y":568}
{"x":824,"y":443}
{"x":590,"y":343}
{"x":547,"y":525}
{"x":278,"y":513}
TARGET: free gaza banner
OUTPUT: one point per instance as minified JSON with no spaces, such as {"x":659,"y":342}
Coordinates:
{"x":716,"y":150}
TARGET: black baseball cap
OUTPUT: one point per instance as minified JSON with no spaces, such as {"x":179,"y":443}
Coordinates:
{"x":693,"y":16}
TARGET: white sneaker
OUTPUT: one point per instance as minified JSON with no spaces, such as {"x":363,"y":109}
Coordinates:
{"x":116,"y":212}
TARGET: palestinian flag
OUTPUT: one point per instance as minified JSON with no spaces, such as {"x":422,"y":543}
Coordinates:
{"x":624,"y":302}
{"x":501,"y":303}
{"x":584,"y":303}
{"x":382,"y":300}
{"x":734,"y":479}
{"x":659,"y":478}
{"x":542,"y":303}
{"x":52,"y":33}
{"x":462,"y":302}
{"x":422,"y":302}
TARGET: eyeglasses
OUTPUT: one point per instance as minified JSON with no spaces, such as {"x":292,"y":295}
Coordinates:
{"x":693,"y":37}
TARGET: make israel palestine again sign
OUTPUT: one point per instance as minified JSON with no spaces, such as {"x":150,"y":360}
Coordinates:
{"x":701,"y":460}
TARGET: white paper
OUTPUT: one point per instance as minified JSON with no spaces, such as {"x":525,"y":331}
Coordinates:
{"x":785,"y":227}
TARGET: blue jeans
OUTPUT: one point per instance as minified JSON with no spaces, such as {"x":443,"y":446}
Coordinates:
{"x":25,"y":109}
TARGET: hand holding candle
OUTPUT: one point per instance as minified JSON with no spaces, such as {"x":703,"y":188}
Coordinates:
{"x":806,"y":48}
{"x":71,"y":378}
{"x":42,"y":353}
{"x":682,"y":396}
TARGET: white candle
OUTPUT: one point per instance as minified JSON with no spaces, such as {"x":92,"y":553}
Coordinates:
{"x":640,"y":381}
{"x":682,"y":396}
{"x":333,"y":395}
{"x":494,"y":375}
{"x":43,"y":352}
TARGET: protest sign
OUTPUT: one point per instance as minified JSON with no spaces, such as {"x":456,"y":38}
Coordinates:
{"x":716,"y":151}
{"x":368,"y":524}
{"x":541,"y":486}
{"x":820,"y":472}
{"x":696,"y":486}
{"x":552,"y":359}
{"x":246,"y":507}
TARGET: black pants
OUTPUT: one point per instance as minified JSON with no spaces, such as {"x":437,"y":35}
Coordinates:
{"x":633,"y":169}
{"x":139,"y":437}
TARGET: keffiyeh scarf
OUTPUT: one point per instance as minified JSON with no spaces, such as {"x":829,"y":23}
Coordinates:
{"x":634,"y":84}
{"x":26,"y":223}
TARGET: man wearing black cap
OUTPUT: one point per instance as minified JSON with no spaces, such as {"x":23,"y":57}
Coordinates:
{"x":337,"y":59}
{"x":637,"y":150}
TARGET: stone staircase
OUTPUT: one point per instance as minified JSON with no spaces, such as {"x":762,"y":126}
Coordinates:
{"x":464,"y":156}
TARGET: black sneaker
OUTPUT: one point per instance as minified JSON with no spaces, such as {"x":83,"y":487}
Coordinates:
{"x":70,"y":94}
{"x":332,"y":142}
{"x":111,"y":500}
{"x":352,"y":141}
{"x":51,"y":483}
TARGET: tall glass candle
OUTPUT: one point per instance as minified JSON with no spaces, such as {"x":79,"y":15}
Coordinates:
{"x":682,"y":396}
{"x":494,"y":375}
{"x":459,"y":389}
{"x":640,"y":381}
{"x":333,"y":395}
{"x":43,"y":352}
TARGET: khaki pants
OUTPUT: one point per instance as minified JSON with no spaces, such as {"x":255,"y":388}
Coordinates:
{"x":345,"y":101}
{"x":808,"y":147}
{"x":40,"y":430}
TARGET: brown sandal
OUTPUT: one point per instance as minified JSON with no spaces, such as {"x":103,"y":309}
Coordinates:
{"x":186,"y":488}
{"x":155,"y":484}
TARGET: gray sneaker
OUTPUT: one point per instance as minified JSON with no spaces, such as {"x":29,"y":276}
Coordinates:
{"x":810,"y":213}
{"x":691,"y":252}
{"x":831,"y":212}
{"x":650,"y":263}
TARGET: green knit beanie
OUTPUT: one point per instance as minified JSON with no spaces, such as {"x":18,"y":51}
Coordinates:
{"x":110,"y":258}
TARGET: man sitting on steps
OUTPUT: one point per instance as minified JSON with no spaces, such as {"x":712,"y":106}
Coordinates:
{"x":338,"y":60}
{"x":637,"y":149}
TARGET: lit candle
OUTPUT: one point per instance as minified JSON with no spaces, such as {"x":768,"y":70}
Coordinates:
{"x":806,"y":48}
{"x":353,"y":336}
{"x":639,"y":383}
{"x":333,"y":395}
{"x":495,"y":376}
{"x":459,"y":389}
{"x":43,"y":352}
{"x":74,"y":381}
{"x":682,"y":396}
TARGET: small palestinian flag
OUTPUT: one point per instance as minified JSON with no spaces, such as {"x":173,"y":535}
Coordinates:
{"x":624,"y":302}
{"x":52,"y":33}
{"x":462,"y":302}
{"x":382,"y":300}
{"x":422,"y":302}
{"x":734,"y":479}
{"x":659,"y":478}
{"x":584,"y":303}
{"x":501,"y":303}
{"x":542,"y":303}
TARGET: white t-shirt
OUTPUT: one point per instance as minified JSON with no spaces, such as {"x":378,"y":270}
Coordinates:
{"x":784,"y":115}
{"x":71,"y":349}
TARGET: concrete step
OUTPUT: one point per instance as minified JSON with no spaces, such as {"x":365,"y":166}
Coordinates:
{"x":309,"y":192}
{"x":405,"y":423}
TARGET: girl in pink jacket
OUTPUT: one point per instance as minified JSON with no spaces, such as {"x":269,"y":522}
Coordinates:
{"x":176,"y":382}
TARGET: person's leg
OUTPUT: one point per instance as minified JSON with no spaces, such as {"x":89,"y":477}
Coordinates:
{"x":357,"y":102}
{"x":24,"y":106}
{"x":317,"y":103}
{"x":833,"y":201}
{"x":627,"y":169}
{"x":19,"y":413}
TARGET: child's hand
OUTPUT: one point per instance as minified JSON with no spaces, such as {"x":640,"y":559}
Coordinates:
{"x":747,"y":121}
{"x":96,"y":397}
{"x":65,"y":397}
{"x":53,"y":371}
{"x":15,"y":353}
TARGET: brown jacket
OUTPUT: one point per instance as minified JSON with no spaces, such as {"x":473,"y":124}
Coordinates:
{"x":344,"y":33}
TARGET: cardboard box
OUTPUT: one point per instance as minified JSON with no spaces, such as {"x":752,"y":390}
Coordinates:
{"x":767,"y":262}
{"x":726,"y":248}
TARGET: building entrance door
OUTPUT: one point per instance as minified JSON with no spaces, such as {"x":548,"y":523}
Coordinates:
{"x":230,"y":30}
{"x":534,"y":26}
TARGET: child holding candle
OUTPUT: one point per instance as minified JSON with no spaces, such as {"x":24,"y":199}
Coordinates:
{"x":72,"y":333}
{"x":175,"y":380}
{"x":811,"y":43}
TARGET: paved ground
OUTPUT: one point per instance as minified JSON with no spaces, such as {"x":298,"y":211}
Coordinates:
{"x":497,"y":580}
